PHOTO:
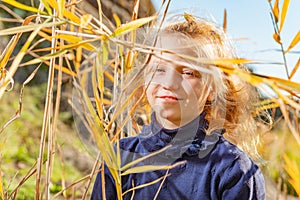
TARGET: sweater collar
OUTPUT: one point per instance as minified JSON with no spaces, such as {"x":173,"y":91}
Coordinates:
{"x":189,"y":139}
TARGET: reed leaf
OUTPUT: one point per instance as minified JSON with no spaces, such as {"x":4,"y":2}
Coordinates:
{"x":78,"y":57}
{"x":84,"y":37}
{"x":231,"y":61}
{"x":295,"y":69}
{"x":44,"y":4}
{"x":281,"y":101}
{"x":129,"y":60}
{"x":18,"y":112}
{"x":44,"y":34}
{"x":224,"y":63}
{"x":109,"y":76}
{"x":105,"y":52}
{"x":283,"y":98}
{"x":294,"y":42}
{"x":265,"y":105}
{"x":143,"y":185}
{"x":16,"y":62}
{"x":61,"y":8}
{"x":102,"y":140}
{"x":98,"y":83}
{"x":130,"y":26}
{"x":135,"y":10}
{"x":293,"y":170}
{"x":120,"y":109}
{"x":256,"y":79}
{"x":225,"y":21}
{"x":85,"y":20}
{"x":45,"y":57}
{"x":118,"y":153}
{"x":64,"y":69}
{"x":23,"y":6}
{"x":28,"y":28}
{"x":76,"y":41}
{"x":69,"y":15}
{"x":117,"y":20}
{"x":275,"y":11}
{"x":103,"y":143}
{"x":294,"y":86}
{"x":84,"y":44}
{"x":148,"y":168}
{"x":71,"y":185}
{"x":161,"y":184}
{"x":99,"y":133}
{"x":287,"y":101}
{"x":276,"y":37}
{"x":144,"y":168}
{"x":136,"y":161}
{"x":250,"y":78}
{"x":12,"y":44}
{"x":284,"y":11}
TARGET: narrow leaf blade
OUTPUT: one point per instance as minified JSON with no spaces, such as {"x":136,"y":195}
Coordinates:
{"x":225,"y":21}
{"x":285,"y":8}
{"x":295,"y":69}
{"x":294,"y":42}
{"x":276,"y":11}
{"x":133,"y":25}
{"x":277,"y":38}
{"x":22,"y":6}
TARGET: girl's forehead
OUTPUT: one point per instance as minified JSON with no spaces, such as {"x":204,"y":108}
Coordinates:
{"x":171,"y":59}
{"x":167,"y":59}
{"x":176,"y":43}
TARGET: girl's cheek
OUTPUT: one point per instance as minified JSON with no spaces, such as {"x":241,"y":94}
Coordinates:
{"x":150,"y":90}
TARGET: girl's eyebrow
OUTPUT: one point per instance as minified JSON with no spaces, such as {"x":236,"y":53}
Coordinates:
{"x":156,"y":60}
{"x":178,"y":64}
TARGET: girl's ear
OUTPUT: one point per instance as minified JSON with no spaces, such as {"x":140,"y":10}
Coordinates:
{"x":212,"y":95}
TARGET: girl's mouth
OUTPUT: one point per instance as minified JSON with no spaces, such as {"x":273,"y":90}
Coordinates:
{"x":169,"y":98}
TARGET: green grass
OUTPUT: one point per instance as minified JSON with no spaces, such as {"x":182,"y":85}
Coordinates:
{"x":20,"y":143}
{"x":277,"y":143}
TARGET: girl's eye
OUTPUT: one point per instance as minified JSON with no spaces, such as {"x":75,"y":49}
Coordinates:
{"x":190,"y":74}
{"x":160,"y":70}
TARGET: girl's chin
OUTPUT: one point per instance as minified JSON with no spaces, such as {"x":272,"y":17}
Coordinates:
{"x":169,"y":113}
{"x":174,"y":117}
{"x":169,"y":116}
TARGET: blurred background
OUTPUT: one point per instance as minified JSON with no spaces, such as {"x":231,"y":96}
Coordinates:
{"x":250,"y":24}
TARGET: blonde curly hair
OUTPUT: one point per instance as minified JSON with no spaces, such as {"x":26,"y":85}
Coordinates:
{"x":231,"y":105}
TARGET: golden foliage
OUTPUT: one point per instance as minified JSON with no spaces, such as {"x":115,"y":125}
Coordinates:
{"x":293,"y":170}
{"x":78,"y":39}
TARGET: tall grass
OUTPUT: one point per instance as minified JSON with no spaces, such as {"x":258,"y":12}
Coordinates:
{"x":81,"y":43}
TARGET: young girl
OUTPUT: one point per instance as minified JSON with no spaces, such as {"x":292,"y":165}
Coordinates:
{"x":204,"y":114}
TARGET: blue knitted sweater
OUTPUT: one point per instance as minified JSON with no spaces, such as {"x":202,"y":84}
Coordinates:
{"x":208,"y":166}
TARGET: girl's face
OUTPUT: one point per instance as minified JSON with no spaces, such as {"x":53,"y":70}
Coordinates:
{"x":175,"y":91}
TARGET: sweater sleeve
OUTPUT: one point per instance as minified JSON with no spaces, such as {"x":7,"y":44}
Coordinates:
{"x":110,"y":189}
{"x":126,"y":145}
{"x":242,"y":180}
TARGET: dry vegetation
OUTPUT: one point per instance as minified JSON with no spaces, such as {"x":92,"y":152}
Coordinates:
{"x":42,"y":156}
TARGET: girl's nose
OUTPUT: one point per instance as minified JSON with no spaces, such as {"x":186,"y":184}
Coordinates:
{"x":171,"y":80}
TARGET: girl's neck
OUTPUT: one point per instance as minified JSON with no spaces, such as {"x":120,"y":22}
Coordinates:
{"x":168,"y":124}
